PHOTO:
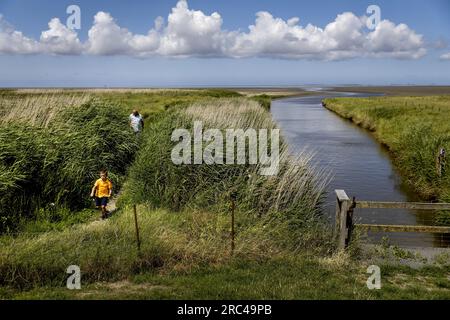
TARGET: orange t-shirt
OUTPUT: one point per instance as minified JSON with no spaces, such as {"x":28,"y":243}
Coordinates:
{"x":103,"y":188}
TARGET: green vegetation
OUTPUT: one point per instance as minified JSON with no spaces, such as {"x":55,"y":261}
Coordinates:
{"x":398,"y":90}
{"x":49,"y":144}
{"x":284,"y":279}
{"x":151,"y":102}
{"x":264,"y":100}
{"x":55,"y":164}
{"x":186,"y":255}
{"x":54,"y":142}
{"x":106,"y":250}
{"x":413,"y":128}
{"x":296,"y":192}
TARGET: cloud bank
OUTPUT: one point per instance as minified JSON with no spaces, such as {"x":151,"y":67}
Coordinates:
{"x":192,"y":33}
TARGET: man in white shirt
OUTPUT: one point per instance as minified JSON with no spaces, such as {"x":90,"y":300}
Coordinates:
{"x":136,"y":122}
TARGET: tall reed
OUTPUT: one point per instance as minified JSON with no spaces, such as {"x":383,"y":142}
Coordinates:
{"x":295,"y":193}
{"x":51,"y":154}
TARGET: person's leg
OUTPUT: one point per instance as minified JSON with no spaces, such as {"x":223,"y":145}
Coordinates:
{"x":98,"y":203}
{"x":104,"y":204}
{"x":104,"y":212}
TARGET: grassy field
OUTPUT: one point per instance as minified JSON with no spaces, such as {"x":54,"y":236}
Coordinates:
{"x":413,"y":128}
{"x":186,"y":255}
{"x":284,"y":248}
{"x":398,"y":90}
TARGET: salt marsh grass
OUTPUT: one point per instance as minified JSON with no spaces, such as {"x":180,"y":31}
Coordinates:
{"x":413,"y":128}
{"x":294,"y":195}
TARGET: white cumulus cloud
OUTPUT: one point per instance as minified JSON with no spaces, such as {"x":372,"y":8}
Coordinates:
{"x":106,"y":37}
{"x":445,"y":56}
{"x":60,"y":40}
{"x":397,"y":41}
{"x":345,"y":37}
{"x":14,"y":42}
{"x":189,"y":32}
{"x":274,"y":37}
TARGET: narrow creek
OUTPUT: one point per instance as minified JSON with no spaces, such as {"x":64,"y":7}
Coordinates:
{"x":358,"y":164}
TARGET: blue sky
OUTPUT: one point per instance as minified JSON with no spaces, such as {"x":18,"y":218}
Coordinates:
{"x":249,"y":58}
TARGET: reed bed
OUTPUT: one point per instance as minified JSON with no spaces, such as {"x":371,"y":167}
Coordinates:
{"x":52,"y":148}
{"x":295,"y":194}
{"x":38,"y":110}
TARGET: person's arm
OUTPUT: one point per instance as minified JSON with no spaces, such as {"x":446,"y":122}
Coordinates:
{"x":93,"y":190}
{"x":142,"y":122}
{"x":110,"y":188}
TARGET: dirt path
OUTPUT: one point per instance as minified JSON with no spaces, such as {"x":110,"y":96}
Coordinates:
{"x":111,"y":207}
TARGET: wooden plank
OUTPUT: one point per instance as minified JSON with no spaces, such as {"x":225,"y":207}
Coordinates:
{"x":341,"y":195}
{"x":402,"y":205}
{"x":403,"y":228}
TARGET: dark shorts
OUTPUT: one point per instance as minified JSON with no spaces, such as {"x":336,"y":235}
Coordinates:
{"x":100,"y":202}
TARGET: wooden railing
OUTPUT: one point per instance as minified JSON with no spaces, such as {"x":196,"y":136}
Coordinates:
{"x":344,"y":223}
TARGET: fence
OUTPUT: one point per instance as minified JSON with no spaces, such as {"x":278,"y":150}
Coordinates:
{"x":344,"y":223}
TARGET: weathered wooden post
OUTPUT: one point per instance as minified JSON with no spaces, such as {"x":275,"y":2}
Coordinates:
{"x":137,"y":229}
{"x":350,"y":222}
{"x":440,"y":162}
{"x":343,"y":205}
{"x":233,"y":207}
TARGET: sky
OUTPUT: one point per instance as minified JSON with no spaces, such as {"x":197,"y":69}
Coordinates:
{"x":199,"y":43}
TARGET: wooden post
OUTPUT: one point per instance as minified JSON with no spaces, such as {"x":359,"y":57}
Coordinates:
{"x":337,"y":219}
{"x":233,"y":196}
{"x":350,"y":222}
{"x":342,"y":208}
{"x":232,"y":226}
{"x":440,"y":161}
{"x":137,"y":229}
{"x":438,"y":164}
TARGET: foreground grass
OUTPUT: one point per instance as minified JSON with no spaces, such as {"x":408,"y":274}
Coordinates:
{"x":187,"y":256}
{"x":413,"y":128}
{"x":106,"y":250}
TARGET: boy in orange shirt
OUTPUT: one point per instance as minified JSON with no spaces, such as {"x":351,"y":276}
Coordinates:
{"x":102,"y":190}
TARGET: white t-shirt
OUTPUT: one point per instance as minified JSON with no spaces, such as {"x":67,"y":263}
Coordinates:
{"x":136,"y":122}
